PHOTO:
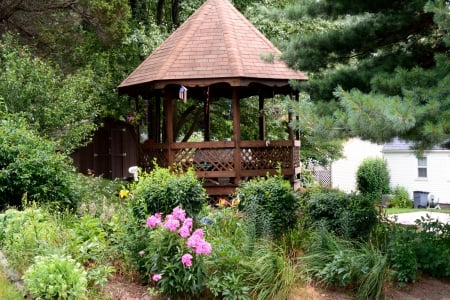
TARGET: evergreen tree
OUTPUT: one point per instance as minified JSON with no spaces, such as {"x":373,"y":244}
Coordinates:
{"x":382,"y":66}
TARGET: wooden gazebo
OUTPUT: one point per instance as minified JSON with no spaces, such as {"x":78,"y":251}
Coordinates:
{"x":216,"y":53}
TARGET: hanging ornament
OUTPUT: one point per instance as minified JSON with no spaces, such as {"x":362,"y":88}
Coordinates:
{"x":182,"y":94}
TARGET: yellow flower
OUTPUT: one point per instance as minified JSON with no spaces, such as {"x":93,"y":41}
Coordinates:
{"x":124,"y":194}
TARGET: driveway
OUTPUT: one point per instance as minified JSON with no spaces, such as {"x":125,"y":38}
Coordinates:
{"x":410,"y":218}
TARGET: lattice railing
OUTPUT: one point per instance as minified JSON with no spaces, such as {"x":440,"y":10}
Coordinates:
{"x":210,"y":157}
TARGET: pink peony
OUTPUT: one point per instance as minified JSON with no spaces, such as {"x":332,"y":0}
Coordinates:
{"x":179,"y":214}
{"x":188,"y":223}
{"x":171,"y":223}
{"x":154,"y":220}
{"x":186,"y":259}
{"x":184,"y":231}
{"x":203,"y":247}
{"x":156,"y":277}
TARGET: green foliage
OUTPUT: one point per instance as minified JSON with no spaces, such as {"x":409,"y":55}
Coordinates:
{"x":372,"y":178}
{"x":346,"y":215}
{"x":337,"y":262}
{"x":410,"y":250}
{"x":242,"y":266}
{"x":400,"y":198}
{"x":228,"y":286}
{"x":162,"y":190}
{"x":230,"y":240}
{"x":31,"y":168}
{"x":387,"y":83}
{"x":269,"y":273}
{"x":26,"y":234}
{"x":164,"y":252}
{"x":56,"y":277}
{"x":61,"y":108}
{"x":269,"y":202}
{"x":36,"y":232}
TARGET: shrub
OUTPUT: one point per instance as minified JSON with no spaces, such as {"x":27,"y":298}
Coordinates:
{"x":410,"y":250}
{"x":400,"y":198}
{"x":372,"y":178}
{"x":346,"y":215}
{"x":269,"y":202}
{"x":32,"y":168}
{"x":162,"y":190}
{"x":56,"y":277}
{"x":173,"y":257}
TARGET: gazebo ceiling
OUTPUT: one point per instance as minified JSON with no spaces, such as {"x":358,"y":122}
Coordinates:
{"x":216,"y":45}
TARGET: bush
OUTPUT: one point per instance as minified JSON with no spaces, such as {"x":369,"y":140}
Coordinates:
{"x":31,"y":168}
{"x":162,"y":190}
{"x":270,"y":203}
{"x":372,"y":178}
{"x":401,"y":198}
{"x":173,"y":257}
{"x":346,"y":215}
{"x":56,"y":277}
{"x":410,"y":250}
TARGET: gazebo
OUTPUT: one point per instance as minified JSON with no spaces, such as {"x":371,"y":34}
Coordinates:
{"x":215,"y":54}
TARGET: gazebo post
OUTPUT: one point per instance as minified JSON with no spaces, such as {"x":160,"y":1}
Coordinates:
{"x":262,"y":119}
{"x":157,"y":121}
{"x":235,"y":106}
{"x":168,"y":102}
{"x":206,"y":119}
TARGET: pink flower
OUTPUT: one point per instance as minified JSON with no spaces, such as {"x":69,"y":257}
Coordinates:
{"x":141,"y":252}
{"x":171,"y":223}
{"x":154,"y":220}
{"x":156,"y":277}
{"x":203,"y":247}
{"x":184,"y":231}
{"x":198,"y":233}
{"x":179,"y":214}
{"x":186,"y":259}
{"x":193,"y":241}
{"x":188,"y":223}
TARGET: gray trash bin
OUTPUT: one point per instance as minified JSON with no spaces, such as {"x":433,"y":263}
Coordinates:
{"x":420,"y":199}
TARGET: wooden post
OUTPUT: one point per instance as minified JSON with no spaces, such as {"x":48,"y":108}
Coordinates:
{"x":262,"y":119}
{"x":206,"y":118}
{"x":168,"y":103}
{"x":236,"y":134}
{"x":157,"y":121}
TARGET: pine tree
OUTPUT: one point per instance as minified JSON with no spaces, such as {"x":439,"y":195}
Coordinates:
{"x":386,"y":63}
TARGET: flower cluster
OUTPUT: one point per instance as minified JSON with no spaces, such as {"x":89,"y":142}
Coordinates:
{"x":183,"y":226}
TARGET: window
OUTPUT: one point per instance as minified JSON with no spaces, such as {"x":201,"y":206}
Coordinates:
{"x":422,"y":166}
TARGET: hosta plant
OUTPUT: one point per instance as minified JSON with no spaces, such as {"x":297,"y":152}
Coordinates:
{"x":56,"y":277}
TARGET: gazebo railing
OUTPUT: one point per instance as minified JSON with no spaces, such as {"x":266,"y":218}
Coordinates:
{"x":216,"y":162}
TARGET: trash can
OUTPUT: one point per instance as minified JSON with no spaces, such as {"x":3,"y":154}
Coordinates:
{"x":420,"y":199}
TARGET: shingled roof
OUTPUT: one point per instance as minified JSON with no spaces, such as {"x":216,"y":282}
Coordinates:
{"x":216,"y":44}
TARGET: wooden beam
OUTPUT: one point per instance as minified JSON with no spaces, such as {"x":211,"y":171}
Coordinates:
{"x":168,"y":103}
{"x":235,"y":106}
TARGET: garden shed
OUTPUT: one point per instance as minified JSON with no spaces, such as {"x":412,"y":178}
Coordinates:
{"x":215,"y":54}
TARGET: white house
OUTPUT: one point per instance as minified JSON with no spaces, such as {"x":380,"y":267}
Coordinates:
{"x":426,"y":173}
{"x":343,"y":171}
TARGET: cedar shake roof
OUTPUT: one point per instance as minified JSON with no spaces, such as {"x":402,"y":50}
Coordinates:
{"x":216,"y":44}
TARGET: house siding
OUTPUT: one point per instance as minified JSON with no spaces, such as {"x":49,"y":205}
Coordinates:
{"x":344,"y":170}
{"x":402,"y":165}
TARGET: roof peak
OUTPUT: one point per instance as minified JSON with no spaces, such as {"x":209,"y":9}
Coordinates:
{"x":215,"y":42}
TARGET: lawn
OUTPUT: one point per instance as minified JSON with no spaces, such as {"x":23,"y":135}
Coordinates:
{"x":391,"y":211}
